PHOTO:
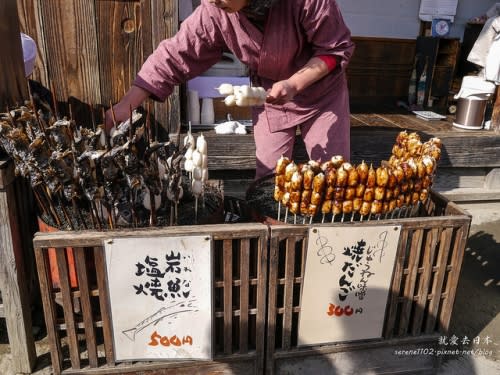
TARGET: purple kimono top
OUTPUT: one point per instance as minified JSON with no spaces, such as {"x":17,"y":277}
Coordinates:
{"x":295,"y":31}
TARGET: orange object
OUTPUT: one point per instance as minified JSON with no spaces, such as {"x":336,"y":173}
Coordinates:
{"x":70,"y":260}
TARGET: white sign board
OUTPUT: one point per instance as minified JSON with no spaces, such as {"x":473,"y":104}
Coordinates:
{"x":430,"y":9}
{"x":160,"y":291}
{"x":347,"y":279}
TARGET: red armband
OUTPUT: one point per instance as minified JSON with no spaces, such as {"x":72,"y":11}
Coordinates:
{"x":329,"y":60}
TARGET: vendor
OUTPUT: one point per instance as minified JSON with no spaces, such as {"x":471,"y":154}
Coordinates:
{"x":297,"y":50}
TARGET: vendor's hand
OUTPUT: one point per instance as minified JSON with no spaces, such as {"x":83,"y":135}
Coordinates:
{"x":118,"y":114}
{"x":132,"y":99}
{"x":281,"y":92}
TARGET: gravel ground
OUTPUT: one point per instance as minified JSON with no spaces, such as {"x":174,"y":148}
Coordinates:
{"x":475,"y":314}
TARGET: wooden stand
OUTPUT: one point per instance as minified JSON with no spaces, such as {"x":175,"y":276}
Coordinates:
{"x":424,"y":283}
{"x":16,"y":307}
{"x":239,"y":300}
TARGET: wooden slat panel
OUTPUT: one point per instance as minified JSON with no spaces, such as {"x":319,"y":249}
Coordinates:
{"x":444,"y":248}
{"x":244,"y":293}
{"x":288,"y":292}
{"x":49,"y":309}
{"x":272,"y":302}
{"x":69,"y":315}
{"x":104,"y":304}
{"x":30,"y":22}
{"x":395,"y":286}
{"x":261,"y":329}
{"x":425,"y":278}
{"x":72,"y":54}
{"x":453,"y":275}
{"x":95,"y":238}
{"x":228,"y":296}
{"x":14,"y":279}
{"x":83,"y":283}
{"x":414,"y":257}
{"x":13,"y":87}
{"x":121,"y":41}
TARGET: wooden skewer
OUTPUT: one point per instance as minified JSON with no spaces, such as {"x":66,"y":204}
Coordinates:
{"x":113,"y":116}
{"x":79,"y":213}
{"x":92,"y":117}
{"x":65,"y":212}
{"x":148,"y":122}
{"x":54,"y":101}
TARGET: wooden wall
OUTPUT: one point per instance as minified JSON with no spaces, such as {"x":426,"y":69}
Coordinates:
{"x":13,"y":87}
{"x":91,"y":50}
{"x":380,"y":69}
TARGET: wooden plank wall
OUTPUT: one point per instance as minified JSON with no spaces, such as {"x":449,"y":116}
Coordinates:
{"x":380,"y":70}
{"x":89,"y":51}
{"x":13,"y":87}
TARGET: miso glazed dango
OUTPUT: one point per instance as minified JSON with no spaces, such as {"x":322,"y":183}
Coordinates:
{"x":339,"y":188}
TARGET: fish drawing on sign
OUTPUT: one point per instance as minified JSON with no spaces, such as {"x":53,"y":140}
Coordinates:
{"x":171,"y":311}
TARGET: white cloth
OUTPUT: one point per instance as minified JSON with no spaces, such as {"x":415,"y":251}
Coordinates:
{"x":492,"y":68}
{"x":486,"y":50}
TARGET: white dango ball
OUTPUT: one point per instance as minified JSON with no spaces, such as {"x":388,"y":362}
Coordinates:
{"x":189,"y":154}
{"x":230,"y":100}
{"x":204,"y":174}
{"x":225,"y":89}
{"x":260,"y":92}
{"x":189,"y":139}
{"x":197,"y":187}
{"x":204,"y":161}
{"x":197,"y":158}
{"x":188,"y":165}
{"x":242,"y":101}
{"x":197,"y":173}
{"x":201,"y":144}
{"x":246,"y":90}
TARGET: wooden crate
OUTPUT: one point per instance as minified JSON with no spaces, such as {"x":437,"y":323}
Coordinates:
{"x":78,"y":319}
{"x":424,"y":283}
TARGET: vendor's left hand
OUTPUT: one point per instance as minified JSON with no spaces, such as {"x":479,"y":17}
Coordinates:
{"x":281,"y":92}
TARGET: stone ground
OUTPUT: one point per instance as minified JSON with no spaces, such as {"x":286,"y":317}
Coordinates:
{"x":476,"y":313}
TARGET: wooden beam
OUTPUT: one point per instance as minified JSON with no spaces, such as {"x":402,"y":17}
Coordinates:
{"x":13,"y":89}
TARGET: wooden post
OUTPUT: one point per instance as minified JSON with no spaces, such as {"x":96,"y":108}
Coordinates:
{"x":495,"y":117}
{"x":15,"y":296}
{"x":13,"y":85}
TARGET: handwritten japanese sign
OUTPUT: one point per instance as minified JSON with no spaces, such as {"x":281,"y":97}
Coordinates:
{"x":160,"y":291}
{"x":347,"y":279}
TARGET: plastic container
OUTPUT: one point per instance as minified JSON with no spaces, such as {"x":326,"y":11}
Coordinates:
{"x":29,"y":54}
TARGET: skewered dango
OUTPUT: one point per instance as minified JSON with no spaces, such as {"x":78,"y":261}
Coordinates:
{"x":242,"y":96}
{"x":338,"y":187}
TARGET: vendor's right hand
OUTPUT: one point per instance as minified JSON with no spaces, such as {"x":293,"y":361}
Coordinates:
{"x":118,"y":113}
{"x":121,"y":110}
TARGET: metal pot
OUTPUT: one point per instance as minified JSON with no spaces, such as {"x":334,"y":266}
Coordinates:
{"x":470,"y":113}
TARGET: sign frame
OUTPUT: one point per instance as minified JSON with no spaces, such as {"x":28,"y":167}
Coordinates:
{"x":313,"y":314}
{"x":211,"y":335}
